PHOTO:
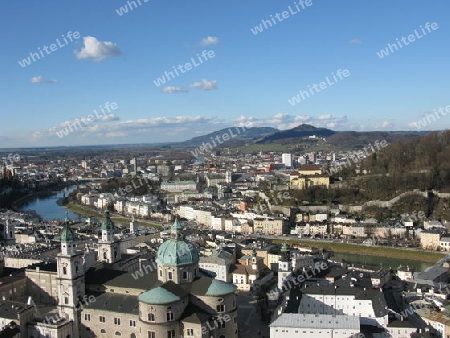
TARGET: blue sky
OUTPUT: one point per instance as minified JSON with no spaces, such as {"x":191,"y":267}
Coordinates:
{"x":249,"y":80}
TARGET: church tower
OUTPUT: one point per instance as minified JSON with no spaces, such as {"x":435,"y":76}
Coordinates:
{"x":70,"y":277}
{"x":10,"y":233}
{"x":284,"y":265}
{"x":228,"y":177}
{"x":108,"y":246}
{"x":133,"y":225}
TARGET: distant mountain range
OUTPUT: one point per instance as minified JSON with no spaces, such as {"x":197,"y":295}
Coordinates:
{"x":234,"y":134}
{"x":267,"y":135}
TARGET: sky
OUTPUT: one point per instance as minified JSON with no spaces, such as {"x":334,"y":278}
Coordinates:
{"x":100,"y":85}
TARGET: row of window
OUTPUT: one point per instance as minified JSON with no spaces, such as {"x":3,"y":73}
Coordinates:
{"x":170,"y":274}
{"x":102,"y":319}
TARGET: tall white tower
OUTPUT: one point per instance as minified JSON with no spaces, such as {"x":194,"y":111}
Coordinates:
{"x":9,"y":233}
{"x":108,"y":246}
{"x":228,"y":176}
{"x":284,"y":265}
{"x":133,"y":225}
{"x":70,"y":277}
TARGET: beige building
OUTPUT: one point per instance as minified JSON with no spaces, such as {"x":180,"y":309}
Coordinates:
{"x":430,"y":239}
{"x":270,"y":226}
{"x":299,"y":181}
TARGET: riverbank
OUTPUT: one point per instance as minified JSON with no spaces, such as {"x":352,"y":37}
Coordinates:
{"x":78,"y":209}
{"x":409,"y":254}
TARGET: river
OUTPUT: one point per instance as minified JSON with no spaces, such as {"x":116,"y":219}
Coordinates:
{"x":384,"y":261}
{"x":46,"y":205}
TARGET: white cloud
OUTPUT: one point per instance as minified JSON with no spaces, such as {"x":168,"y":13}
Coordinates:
{"x":115,"y":134}
{"x":355,"y":41}
{"x":205,"y":85}
{"x":40,"y":79}
{"x":174,"y":128}
{"x":96,"y":50}
{"x":174,"y":90}
{"x":284,"y":121}
{"x":37,"y":79}
{"x":210,"y":40}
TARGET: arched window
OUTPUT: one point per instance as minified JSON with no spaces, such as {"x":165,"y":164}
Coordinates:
{"x":64,"y":270}
{"x":117,"y":333}
{"x":132,"y":335}
{"x":102,"y":331}
{"x":104,"y":255}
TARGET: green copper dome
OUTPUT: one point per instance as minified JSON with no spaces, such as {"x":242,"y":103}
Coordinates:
{"x":219,"y":288}
{"x":107,"y":223}
{"x":177,"y":251}
{"x":285,"y":248}
{"x":67,"y":234}
{"x":158,"y":296}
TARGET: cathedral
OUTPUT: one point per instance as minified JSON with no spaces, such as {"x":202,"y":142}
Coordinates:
{"x":172,"y":298}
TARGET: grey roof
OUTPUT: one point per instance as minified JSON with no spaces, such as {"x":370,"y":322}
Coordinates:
{"x":10,"y":310}
{"x":114,"y":302}
{"x":298,"y":320}
{"x":114,"y":278}
{"x":431,"y":273}
{"x":378,"y":302}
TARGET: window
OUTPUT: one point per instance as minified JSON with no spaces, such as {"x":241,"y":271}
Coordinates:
{"x":160,"y":273}
{"x":66,"y":300}
{"x":190,"y":332}
{"x":132,"y":322}
{"x":169,"y":315}
{"x":64,"y":270}
{"x":170,"y":275}
{"x":102,"y":331}
{"x":151,"y":317}
{"x":171,"y":334}
{"x":87,"y":316}
{"x":151,"y":334}
{"x":117,"y":321}
{"x":117,"y":333}
{"x":102,"y":319}
{"x":220,"y":308}
{"x":185,"y":275}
